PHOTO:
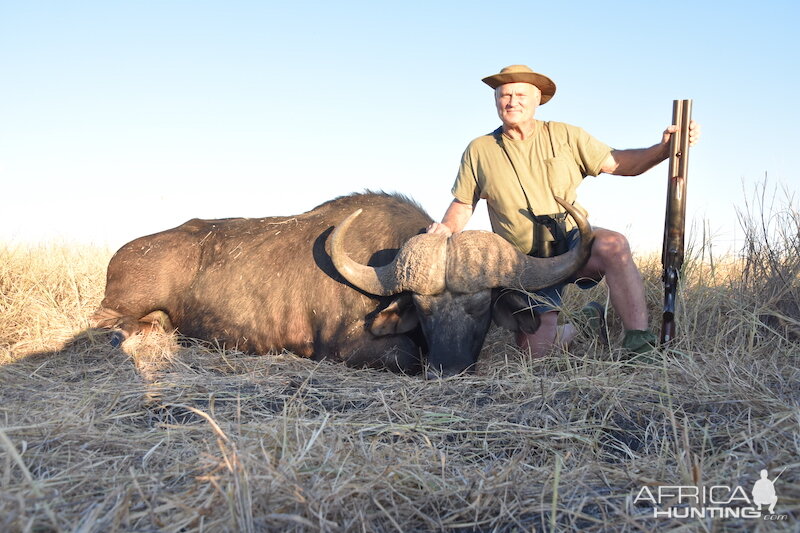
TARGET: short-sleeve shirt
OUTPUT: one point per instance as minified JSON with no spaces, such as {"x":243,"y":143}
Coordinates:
{"x":553,"y":161}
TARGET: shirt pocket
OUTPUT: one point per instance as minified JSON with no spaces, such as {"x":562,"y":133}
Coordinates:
{"x":564,"y":177}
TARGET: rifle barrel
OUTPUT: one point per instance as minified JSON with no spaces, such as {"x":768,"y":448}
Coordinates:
{"x":675,"y":218}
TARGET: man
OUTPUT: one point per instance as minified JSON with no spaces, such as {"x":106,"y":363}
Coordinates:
{"x":764,"y":492}
{"x":519,"y":168}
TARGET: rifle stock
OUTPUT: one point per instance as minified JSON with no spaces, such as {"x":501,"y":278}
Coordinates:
{"x":675,"y":219}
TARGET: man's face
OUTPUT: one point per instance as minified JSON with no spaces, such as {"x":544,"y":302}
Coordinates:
{"x":516,"y":102}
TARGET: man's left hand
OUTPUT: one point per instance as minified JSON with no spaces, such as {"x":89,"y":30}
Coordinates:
{"x":694,"y":133}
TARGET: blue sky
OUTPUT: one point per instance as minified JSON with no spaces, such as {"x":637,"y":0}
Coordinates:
{"x":119,"y":119}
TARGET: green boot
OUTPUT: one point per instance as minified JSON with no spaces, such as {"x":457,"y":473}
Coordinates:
{"x":639,"y":343}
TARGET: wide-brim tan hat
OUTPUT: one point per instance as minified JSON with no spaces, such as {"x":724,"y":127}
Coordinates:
{"x":523,"y":73}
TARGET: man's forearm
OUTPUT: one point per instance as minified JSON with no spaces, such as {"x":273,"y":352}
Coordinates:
{"x":454,"y":220}
{"x":638,"y":160}
{"x":457,"y":216}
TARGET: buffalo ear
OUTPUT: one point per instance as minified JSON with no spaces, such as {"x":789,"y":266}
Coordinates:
{"x":400,"y":316}
{"x":511,"y":309}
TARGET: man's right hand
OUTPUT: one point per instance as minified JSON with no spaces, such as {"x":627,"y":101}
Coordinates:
{"x":439,"y":228}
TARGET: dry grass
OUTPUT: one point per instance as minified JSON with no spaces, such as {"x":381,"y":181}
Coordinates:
{"x":160,"y":437}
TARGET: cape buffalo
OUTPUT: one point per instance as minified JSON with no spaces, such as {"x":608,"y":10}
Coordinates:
{"x":355,"y":279}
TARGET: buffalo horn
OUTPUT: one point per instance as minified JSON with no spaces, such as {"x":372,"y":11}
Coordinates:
{"x":480,"y":259}
{"x":419,"y":265}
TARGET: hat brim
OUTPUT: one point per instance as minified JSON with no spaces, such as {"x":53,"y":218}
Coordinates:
{"x":545,"y":84}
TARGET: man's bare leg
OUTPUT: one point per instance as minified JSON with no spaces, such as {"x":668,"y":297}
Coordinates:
{"x":612,"y":258}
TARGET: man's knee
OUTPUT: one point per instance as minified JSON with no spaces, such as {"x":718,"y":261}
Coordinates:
{"x":610,"y":248}
{"x":611,"y":243}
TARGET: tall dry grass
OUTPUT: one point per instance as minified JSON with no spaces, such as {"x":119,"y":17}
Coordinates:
{"x":160,"y":437}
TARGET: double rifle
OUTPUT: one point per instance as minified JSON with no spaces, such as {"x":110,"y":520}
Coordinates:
{"x":675,"y":220}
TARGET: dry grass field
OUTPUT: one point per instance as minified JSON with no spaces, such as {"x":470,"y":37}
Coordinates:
{"x":161,"y":437}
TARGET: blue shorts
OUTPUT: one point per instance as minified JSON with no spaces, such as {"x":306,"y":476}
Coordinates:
{"x":550,"y":298}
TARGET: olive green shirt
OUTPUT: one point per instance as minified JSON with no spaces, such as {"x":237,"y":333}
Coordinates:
{"x":553,"y":161}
